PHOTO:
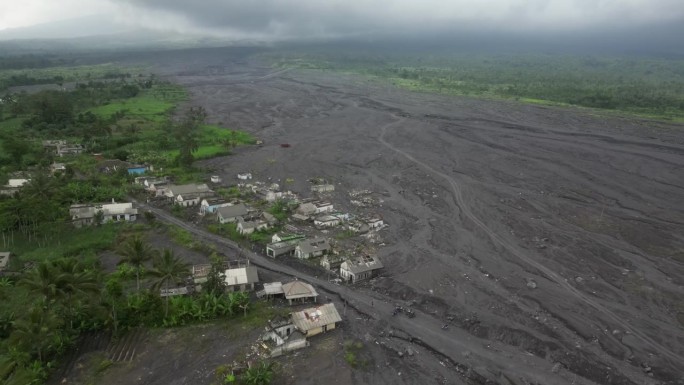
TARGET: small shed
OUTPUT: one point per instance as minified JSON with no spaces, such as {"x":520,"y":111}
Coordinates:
{"x":277,"y":249}
{"x":270,"y":290}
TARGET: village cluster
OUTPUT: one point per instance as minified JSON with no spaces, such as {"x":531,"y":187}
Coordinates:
{"x":306,"y":234}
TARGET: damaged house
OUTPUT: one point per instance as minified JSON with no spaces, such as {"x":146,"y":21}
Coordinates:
{"x":360,"y":268}
{"x":282,"y":333}
{"x":316,"y":320}
{"x":310,"y":248}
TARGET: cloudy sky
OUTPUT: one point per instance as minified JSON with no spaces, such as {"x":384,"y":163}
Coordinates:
{"x":291,"y":19}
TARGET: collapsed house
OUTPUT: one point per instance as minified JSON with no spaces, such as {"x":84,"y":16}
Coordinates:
{"x":332,"y":262}
{"x":282,"y":333}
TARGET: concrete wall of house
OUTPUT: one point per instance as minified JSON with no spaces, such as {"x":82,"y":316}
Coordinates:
{"x":226,"y":220}
{"x":314,"y":331}
{"x":245,"y":231}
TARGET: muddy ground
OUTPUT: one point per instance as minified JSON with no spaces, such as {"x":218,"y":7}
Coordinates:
{"x":557,"y":233}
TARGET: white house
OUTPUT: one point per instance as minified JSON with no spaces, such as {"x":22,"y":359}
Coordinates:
{"x":323,"y":207}
{"x":16,"y":183}
{"x":248,"y":227}
{"x":210,"y":205}
{"x":188,"y":194}
{"x":13,"y":186}
{"x":327,"y":221}
{"x":84,"y":214}
{"x":374,"y":222}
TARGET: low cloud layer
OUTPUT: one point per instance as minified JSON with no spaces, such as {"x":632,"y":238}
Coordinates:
{"x":604,"y":23}
{"x":295,"y":19}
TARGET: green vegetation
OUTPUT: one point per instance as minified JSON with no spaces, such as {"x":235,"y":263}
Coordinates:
{"x":58,"y":289}
{"x":649,"y":87}
{"x":352,"y":350}
{"x":18,"y":72}
{"x":258,"y":374}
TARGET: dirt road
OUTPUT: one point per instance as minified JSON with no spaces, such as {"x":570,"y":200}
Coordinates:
{"x":552,"y":237}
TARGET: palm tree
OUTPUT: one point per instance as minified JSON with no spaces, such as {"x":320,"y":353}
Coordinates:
{"x":36,"y":330}
{"x":136,"y":252}
{"x":73,"y":280}
{"x":42,"y":280}
{"x":167,"y":269}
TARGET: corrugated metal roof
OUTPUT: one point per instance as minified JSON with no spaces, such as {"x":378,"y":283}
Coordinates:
{"x":308,"y":246}
{"x":241,"y":276}
{"x":232,"y":211}
{"x":298,"y":289}
{"x":316,"y":317}
{"x":363,"y":263}
{"x":273,"y":288}
{"x":189,"y":189}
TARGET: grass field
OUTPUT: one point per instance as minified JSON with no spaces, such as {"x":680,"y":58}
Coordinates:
{"x":69,"y":241}
{"x":152,"y":105}
{"x":212,"y":142}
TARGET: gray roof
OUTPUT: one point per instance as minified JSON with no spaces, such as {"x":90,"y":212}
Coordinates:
{"x":308,"y":246}
{"x":188,"y":189}
{"x":299,"y":289}
{"x":290,"y":245}
{"x":237,"y":210}
{"x":250,"y":224}
{"x":327,"y":218}
{"x":84,"y":211}
{"x":316,"y":317}
{"x":273,"y":288}
{"x":241,"y":275}
{"x":216,"y":201}
{"x":362,"y":264}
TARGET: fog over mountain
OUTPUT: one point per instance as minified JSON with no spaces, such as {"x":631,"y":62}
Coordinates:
{"x":622,"y":25}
